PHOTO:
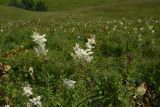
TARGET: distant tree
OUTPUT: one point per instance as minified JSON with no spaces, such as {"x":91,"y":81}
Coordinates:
{"x":28,"y":4}
{"x":14,"y":3}
{"x":41,"y":6}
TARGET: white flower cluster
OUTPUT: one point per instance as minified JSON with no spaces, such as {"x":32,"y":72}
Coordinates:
{"x":84,"y":54}
{"x":27,"y":90}
{"x":31,"y":71}
{"x":35,"y":102}
{"x":1,"y":30}
{"x":69,"y":84}
{"x":40,"y":40}
{"x":7,"y":106}
{"x":91,"y":42}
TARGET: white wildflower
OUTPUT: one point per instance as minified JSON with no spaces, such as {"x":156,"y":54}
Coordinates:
{"x":69,"y":83}
{"x":129,"y":23}
{"x":7,"y":106}
{"x":40,"y":41}
{"x":30,"y":70}
{"x":73,"y":29}
{"x":114,"y":28}
{"x":1,"y":30}
{"x":125,"y":28}
{"x":114,"y":21}
{"x":27,"y":91}
{"x":150,"y":27}
{"x":135,"y":30}
{"x":139,"y":20}
{"x":147,"y":23}
{"x":85,"y":54}
{"x":121,"y":23}
{"x":141,"y":29}
{"x":81,"y":54}
{"x":140,"y":90}
{"x":29,"y":104}
{"x":156,"y":21}
{"x":108,"y":22}
{"x":21,"y":46}
{"x":35,"y":101}
{"x":91,"y":42}
{"x":140,"y":37}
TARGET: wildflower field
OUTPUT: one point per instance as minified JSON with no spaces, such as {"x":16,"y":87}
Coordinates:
{"x":92,"y":54}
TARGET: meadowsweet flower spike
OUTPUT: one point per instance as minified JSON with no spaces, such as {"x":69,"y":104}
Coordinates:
{"x":81,"y":54}
{"x":27,"y":91}
{"x":84,"y":54}
{"x":40,"y":40}
{"x":91,"y":42}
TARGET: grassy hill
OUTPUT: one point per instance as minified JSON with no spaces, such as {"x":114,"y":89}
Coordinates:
{"x":87,"y":8}
{"x":59,"y":5}
{"x":67,"y":4}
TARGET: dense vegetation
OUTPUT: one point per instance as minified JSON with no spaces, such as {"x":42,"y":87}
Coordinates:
{"x":29,"y":5}
{"x":124,"y":71}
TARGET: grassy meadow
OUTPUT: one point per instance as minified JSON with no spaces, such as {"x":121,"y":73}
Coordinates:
{"x":125,"y":68}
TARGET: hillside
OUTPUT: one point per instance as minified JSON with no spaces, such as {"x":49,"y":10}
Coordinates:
{"x":67,"y":4}
{"x":105,"y":8}
{"x":59,"y":5}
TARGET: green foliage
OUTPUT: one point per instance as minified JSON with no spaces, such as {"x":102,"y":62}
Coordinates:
{"x":14,"y":3}
{"x":28,"y":4}
{"x":112,"y":49}
{"x":41,"y":6}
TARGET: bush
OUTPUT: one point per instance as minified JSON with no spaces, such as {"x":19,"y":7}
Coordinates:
{"x":28,"y":4}
{"x":14,"y":3}
{"x":41,"y":6}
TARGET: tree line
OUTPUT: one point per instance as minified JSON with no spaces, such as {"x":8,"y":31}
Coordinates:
{"x":29,"y":5}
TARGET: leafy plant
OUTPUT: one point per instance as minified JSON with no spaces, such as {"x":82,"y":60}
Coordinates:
{"x":41,"y":6}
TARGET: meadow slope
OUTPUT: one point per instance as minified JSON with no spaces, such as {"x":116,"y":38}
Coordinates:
{"x":86,"y":9}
